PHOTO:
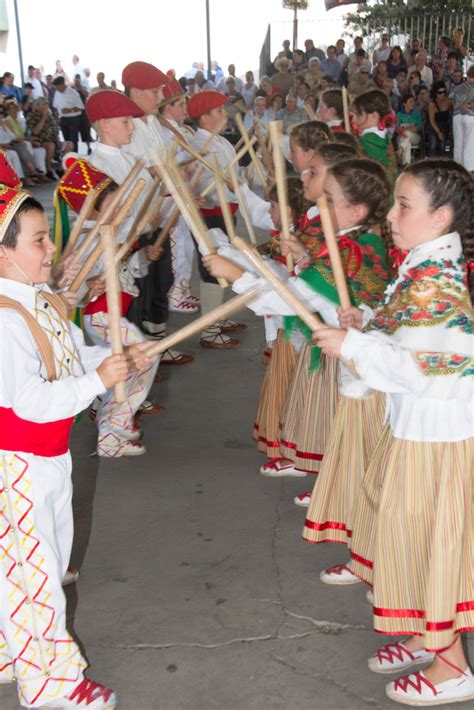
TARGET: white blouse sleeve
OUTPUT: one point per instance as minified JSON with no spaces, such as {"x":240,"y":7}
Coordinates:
{"x":257,"y":209}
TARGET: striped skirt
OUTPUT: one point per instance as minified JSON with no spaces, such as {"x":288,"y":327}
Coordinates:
{"x":309,"y":412}
{"x":414,"y":538}
{"x":272,"y":397}
{"x":357,"y":427}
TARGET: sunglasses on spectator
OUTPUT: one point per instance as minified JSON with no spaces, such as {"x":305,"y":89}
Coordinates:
{"x":363,"y":72}
{"x":441,"y":91}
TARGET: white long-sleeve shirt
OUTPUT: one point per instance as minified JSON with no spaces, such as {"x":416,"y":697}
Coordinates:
{"x":221,"y":149}
{"x":23,"y":379}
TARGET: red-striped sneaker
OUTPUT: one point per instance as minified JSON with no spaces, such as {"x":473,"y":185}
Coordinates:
{"x":338,"y":574}
{"x":303,"y":500}
{"x":416,"y":689}
{"x":280,"y":468}
{"x":87,"y":695}
{"x":396,"y":657}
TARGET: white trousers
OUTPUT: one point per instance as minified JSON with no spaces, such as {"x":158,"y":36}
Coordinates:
{"x":182,"y":249}
{"x":463,"y":135}
{"x":36,"y":531}
{"x":405,"y":144}
{"x":38,"y":155}
{"x":116,"y":421}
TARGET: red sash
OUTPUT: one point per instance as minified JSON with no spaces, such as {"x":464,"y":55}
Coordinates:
{"x":217,"y":212}
{"x":100,"y":304}
{"x":48,"y":439}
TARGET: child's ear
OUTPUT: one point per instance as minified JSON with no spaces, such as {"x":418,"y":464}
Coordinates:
{"x":4,"y":256}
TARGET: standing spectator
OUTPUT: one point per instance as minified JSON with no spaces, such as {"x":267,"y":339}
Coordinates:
{"x":313,"y":75}
{"x":380,"y":73}
{"x":50,"y":89}
{"x":355,"y":65}
{"x":8,"y":88}
{"x":382,"y":53}
{"x":84,"y":123}
{"x":440,"y":58}
{"x":191,"y":87}
{"x":451,"y":66}
{"x":217,"y":72}
{"x":456,"y":79}
{"x":409,"y":128}
{"x":439,"y":115}
{"x":69,"y":106}
{"x":458,"y":45}
{"x":299,"y":62}
{"x":60,"y":72}
{"x":100,"y":82}
{"x":249,"y":89}
{"x":32,"y":79}
{"x":43,"y":129}
{"x":203,"y":84}
{"x":330,"y":67}
{"x":239,"y":84}
{"x":341,"y":56}
{"x":77,"y":67}
{"x":27,"y":101}
{"x":361,"y":83}
{"x":113,"y":85}
{"x":395,"y":61}
{"x":267,"y":86}
{"x":413,"y":45}
{"x":463,"y":121}
{"x":282,"y":80}
{"x":291,"y":114}
{"x":425,"y":71}
{"x":286,"y":49}
{"x":312,"y":51}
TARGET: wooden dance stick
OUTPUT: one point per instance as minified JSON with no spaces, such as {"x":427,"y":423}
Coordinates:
{"x":83,"y":216}
{"x":266,"y":155}
{"x":233,"y":162}
{"x":225,"y":209}
{"x":184,"y":200}
{"x":109,"y":211}
{"x":253,"y":155}
{"x":174,"y":216}
{"x":345,"y":108}
{"x":243,"y":206}
{"x":189,"y":149}
{"x":199,"y":324}
{"x":280,"y":175}
{"x":113,"y":301}
{"x":334,"y":253}
{"x":91,"y":260}
{"x":311,"y":320}
{"x":310,"y":112}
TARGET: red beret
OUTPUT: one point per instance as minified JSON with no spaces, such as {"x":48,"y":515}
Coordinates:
{"x":172,"y":91}
{"x":109,"y":103}
{"x":141,"y":75}
{"x":205,"y":101}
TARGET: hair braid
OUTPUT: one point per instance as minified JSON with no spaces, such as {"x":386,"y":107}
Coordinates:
{"x":364,"y":182}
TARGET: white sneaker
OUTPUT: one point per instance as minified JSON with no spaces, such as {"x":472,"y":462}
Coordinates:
{"x":416,"y":689}
{"x":396,"y":657}
{"x":87,"y":695}
{"x":370,"y":596}
{"x":6,"y":678}
{"x":71,"y":577}
{"x":339,"y":574}
{"x":303,"y":500}
{"x":129,"y":448}
{"x":280,"y":468}
{"x":183,"y":307}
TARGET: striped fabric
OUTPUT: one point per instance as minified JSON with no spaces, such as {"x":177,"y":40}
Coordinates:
{"x":272,"y":397}
{"x":414,"y":538}
{"x":356,"y":429}
{"x":293,"y":409}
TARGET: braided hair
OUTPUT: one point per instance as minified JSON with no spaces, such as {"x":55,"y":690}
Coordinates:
{"x":449,"y":183}
{"x":364,"y":182}
{"x":334,"y":152}
{"x":346,"y":139}
{"x":310,"y":134}
{"x":297,"y":202}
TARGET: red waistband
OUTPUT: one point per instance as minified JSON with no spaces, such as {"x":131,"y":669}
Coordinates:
{"x":100,"y":304}
{"x":48,"y":439}
{"x":217,"y":212}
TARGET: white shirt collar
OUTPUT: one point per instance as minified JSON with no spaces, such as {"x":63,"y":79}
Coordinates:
{"x":312,"y":212}
{"x":379,"y":132}
{"x":23,"y":293}
{"x":103,"y":148}
{"x":451,"y":241}
{"x":335,"y":122}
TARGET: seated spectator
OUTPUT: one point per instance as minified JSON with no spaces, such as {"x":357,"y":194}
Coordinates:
{"x":380,"y":73}
{"x":259,"y":114}
{"x":17,"y":124}
{"x":299,"y":62}
{"x":291,"y":114}
{"x":191,"y":86}
{"x":361,"y":83}
{"x":11,"y":144}
{"x":330,"y":67}
{"x":233,"y":96}
{"x":341,"y":56}
{"x":414,"y":82}
{"x":463,"y":121}
{"x":459,"y":47}
{"x":37,"y":86}
{"x":203,"y":84}
{"x":400,"y":85}
{"x":451,"y":66}
{"x":413,"y":45}
{"x":421,"y":66}
{"x":8,"y":88}
{"x":312,"y":51}
{"x":270,"y":90}
{"x":302,"y":93}
{"x":43,"y":129}
{"x":439,"y":115}
{"x":286,"y":49}
{"x":313,"y":75}
{"x":440,"y":58}
{"x":276,"y":106}
{"x":382,"y":52}
{"x":394,"y":100}
{"x":422,"y":101}
{"x":239,"y":84}
{"x":456,"y":79}
{"x":409,"y":129}
{"x":358,"y":44}
{"x":357,"y":61}
{"x":249,"y":89}
{"x":310,"y":105}
{"x":282,"y":81}
{"x":395,"y":61}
